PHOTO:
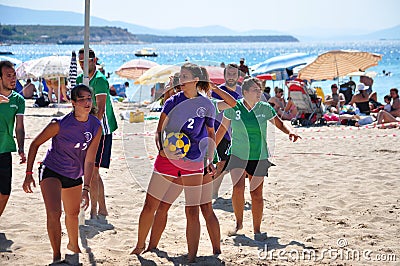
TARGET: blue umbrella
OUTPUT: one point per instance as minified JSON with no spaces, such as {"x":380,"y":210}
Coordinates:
{"x":280,"y":64}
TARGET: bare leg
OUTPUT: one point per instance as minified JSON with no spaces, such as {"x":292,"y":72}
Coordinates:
{"x":160,"y":222}
{"x":146,"y":219}
{"x":192,"y":186}
{"x":211,"y":219}
{"x":51,"y":191}
{"x":71,"y":198}
{"x":160,"y":219}
{"x":257,"y":203}
{"x":238,"y":181}
{"x":97,"y":197}
{"x":3,"y":202}
{"x":385,"y":117}
{"x":219,"y":176}
{"x":212,"y":226}
{"x":156,"y":191}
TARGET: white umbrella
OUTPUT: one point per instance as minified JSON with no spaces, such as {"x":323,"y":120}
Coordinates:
{"x":157,"y":74}
{"x":338,"y":63}
{"x":49,"y":67}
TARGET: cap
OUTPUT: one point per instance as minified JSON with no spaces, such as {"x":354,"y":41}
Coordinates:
{"x":241,"y":59}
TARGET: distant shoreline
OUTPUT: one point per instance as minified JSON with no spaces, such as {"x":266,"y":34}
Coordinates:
{"x":44,"y":34}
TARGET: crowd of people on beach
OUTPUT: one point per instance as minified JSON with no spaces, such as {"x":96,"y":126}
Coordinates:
{"x":226,"y":131}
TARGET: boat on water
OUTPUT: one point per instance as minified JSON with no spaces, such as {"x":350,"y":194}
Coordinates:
{"x":146,"y":52}
{"x":5,"y":53}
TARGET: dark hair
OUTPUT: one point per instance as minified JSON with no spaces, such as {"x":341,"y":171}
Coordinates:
{"x":91,"y":52}
{"x":387,"y":97}
{"x":204,"y":82}
{"x":278,"y":90}
{"x":75,"y":93}
{"x":396,"y":91}
{"x":334,"y":86}
{"x":249,"y":82}
{"x":267,"y":89}
{"x":231,"y":65}
{"x":126,"y":84}
{"x":5,"y":64}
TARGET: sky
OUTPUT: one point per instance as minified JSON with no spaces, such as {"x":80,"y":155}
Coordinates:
{"x":286,"y":15}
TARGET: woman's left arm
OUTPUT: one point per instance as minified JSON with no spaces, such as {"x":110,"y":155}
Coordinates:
{"x":285,"y":129}
{"x":89,"y":167}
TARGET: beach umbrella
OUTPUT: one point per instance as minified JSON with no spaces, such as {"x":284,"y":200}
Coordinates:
{"x":73,"y":70}
{"x":267,"y":76}
{"x":338,"y":63}
{"x":216,"y":74}
{"x":135,"y":68}
{"x":15,"y":61}
{"x":157,"y":74}
{"x":281,"y":63}
{"x":21,"y":70}
{"x":49,"y":67}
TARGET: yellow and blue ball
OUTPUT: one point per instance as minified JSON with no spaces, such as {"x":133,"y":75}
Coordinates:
{"x":177,"y":142}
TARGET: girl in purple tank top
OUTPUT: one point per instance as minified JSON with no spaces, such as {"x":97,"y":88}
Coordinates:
{"x":191,"y":113}
{"x":75,"y":138}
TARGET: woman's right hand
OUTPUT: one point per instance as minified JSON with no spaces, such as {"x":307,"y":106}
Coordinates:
{"x":173,"y":155}
{"x":26,"y":186}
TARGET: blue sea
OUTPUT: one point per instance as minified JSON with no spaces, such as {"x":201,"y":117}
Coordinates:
{"x":112,"y":56}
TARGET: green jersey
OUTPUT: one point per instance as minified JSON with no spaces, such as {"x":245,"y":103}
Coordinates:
{"x":8,"y":111}
{"x":249,"y":130}
{"x":99,"y":84}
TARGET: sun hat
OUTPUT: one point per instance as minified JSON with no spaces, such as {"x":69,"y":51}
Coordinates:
{"x":362,"y":87}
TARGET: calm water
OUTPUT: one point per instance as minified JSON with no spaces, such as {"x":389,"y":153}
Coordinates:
{"x":114,"y":55}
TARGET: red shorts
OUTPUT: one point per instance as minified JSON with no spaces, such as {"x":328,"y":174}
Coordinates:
{"x":177,"y":168}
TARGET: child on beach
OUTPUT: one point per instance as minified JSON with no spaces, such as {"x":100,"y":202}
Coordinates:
{"x":193,"y":114}
{"x":75,"y":138}
{"x":249,"y":152}
{"x":387,"y":107}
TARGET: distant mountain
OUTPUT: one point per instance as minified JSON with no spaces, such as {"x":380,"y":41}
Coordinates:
{"x":388,"y":34}
{"x":23,"y":16}
{"x":42,"y":17}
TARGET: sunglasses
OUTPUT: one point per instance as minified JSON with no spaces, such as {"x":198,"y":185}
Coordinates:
{"x":81,"y":61}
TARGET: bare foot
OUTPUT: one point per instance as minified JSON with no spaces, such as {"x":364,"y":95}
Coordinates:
{"x":74,"y":248}
{"x":236,"y":230}
{"x":138,"y":250}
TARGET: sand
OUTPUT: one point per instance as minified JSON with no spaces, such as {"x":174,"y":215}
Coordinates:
{"x":331,"y":196}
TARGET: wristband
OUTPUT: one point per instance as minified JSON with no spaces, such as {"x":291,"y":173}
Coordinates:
{"x":29,"y":172}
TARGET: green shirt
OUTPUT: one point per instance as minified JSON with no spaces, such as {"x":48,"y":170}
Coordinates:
{"x":8,"y":111}
{"x":99,"y":84}
{"x":249,"y":130}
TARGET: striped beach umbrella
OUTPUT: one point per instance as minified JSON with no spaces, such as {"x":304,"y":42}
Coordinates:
{"x":73,"y":70}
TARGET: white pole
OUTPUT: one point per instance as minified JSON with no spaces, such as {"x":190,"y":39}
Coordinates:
{"x":86,"y":44}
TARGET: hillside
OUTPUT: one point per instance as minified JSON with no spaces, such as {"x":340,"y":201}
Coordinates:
{"x":74,"y":35}
{"x":63,"y":34}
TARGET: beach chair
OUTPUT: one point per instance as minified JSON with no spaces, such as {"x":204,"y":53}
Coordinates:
{"x":308,"y":104}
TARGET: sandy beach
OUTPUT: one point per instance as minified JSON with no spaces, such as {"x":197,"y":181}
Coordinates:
{"x":332,"y":198}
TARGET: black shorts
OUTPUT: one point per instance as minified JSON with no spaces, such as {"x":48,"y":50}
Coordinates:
{"x":223,"y":149}
{"x":252,"y":167}
{"x":5,"y":173}
{"x":66,"y":182}
{"x":103,"y":156}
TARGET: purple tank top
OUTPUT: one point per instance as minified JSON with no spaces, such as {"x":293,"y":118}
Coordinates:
{"x":67,"y":153}
{"x":190,"y":116}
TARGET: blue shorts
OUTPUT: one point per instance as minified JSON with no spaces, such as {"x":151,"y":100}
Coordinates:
{"x":103,"y":156}
{"x":66,"y":182}
{"x":5,"y":173}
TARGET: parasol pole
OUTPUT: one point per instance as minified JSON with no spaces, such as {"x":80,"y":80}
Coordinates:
{"x":86,"y":44}
{"x":338,"y":104}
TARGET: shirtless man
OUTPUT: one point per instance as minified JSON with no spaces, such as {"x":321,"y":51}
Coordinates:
{"x":332,"y":100}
